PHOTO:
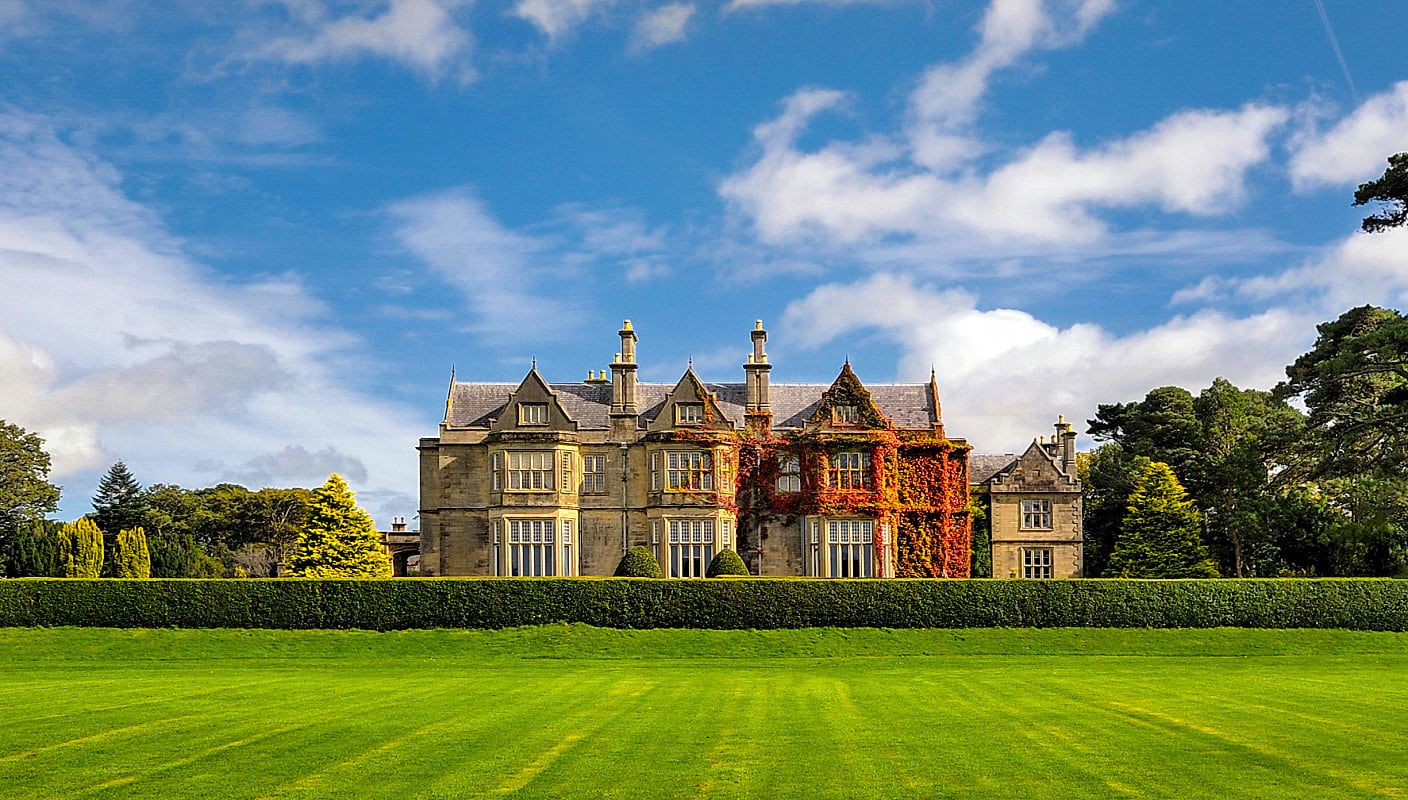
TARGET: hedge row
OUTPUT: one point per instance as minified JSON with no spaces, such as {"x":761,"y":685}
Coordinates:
{"x":1361,"y":604}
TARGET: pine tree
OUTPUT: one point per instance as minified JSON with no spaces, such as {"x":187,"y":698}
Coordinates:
{"x":339,"y":540}
{"x":119,"y":504}
{"x":34,"y":551}
{"x":132,"y":557}
{"x":81,"y":549}
{"x":1160,"y":534}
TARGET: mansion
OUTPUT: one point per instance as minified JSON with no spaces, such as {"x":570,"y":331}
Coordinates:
{"x":840,"y":481}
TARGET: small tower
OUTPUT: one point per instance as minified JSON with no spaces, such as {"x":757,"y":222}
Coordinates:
{"x":1065,"y":441}
{"x":624,"y":413}
{"x":758,"y":414}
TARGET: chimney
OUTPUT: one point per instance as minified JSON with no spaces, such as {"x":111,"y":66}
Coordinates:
{"x":758,"y":414}
{"x":1066,"y":437}
{"x":398,"y":524}
{"x":623,"y":374}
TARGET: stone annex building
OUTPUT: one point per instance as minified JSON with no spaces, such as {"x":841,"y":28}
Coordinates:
{"x":844,"y":481}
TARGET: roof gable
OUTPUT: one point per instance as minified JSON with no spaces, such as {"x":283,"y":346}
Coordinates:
{"x":690,"y":390}
{"x":847,"y":392}
{"x":534,"y":391}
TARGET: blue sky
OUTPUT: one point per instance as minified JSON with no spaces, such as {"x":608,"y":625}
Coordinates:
{"x":246,"y":241}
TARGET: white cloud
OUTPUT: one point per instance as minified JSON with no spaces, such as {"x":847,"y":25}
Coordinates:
{"x":1362,"y":268}
{"x":1193,"y":162}
{"x":500,"y":272}
{"x":1038,"y":369}
{"x":422,"y":34}
{"x":115,"y":344}
{"x":294,"y":465}
{"x":1356,"y":148}
{"x":557,"y":18}
{"x":662,"y":26}
{"x":742,"y":5}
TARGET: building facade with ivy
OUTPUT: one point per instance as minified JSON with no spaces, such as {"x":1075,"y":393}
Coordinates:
{"x":840,"y":480}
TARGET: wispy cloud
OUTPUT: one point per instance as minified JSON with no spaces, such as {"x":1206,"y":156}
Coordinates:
{"x":662,"y":26}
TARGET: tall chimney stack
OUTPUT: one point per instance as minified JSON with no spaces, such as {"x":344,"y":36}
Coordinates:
{"x":758,"y":414}
{"x":1066,"y":437}
{"x":623,"y":374}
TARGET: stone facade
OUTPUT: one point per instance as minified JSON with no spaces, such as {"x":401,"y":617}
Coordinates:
{"x":1035,"y":508}
{"x":842,"y":480}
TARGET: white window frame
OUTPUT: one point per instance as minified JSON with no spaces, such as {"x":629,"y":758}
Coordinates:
{"x":539,"y":473}
{"x":849,"y":470}
{"x":496,"y":467}
{"x":532,"y":546}
{"x":689,"y":413}
{"x":1037,"y":514}
{"x":1036,"y":563}
{"x":532,"y":414}
{"x":689,"y":471}
{"x":594,"y":474}
{"x":690,"y":545}
{"x":850,"y":544}
{"x":569,"y":481}
{"x":789,"y":474}
{"x":845,"y":415}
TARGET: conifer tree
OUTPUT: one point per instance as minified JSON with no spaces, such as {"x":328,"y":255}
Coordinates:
{"x":119,"y":504}
{"x":132,"y":557}
{"x":81,"y":549}
{"x":34,"y":552}
{"x":1160,"y":534}
{"x":339,"y":540}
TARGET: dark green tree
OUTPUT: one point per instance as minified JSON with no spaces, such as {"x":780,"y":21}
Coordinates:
{"x":34,"y":551}
{"x":726,"y":563}
{"x":26,"y":495}
{"x":1109,"y":474}
{"x":1391,"y":189}
{"x":119,"y":504}
{"x":638,"y":562}
{"x":1161,"y":534}
{"x":980,"y":522}
{"x":1354,"y":384}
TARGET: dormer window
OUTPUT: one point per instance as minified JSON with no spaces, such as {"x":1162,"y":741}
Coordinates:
{"x":532,"y":413}
{"x":689,"y":413}
{"x":845,"y":415}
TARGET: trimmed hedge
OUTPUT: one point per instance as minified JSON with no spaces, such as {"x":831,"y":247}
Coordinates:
{"x":1359,"y":604}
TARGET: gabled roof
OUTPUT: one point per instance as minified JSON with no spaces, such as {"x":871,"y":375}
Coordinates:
{"x":474,"y":405}
{"x":982,"y":466}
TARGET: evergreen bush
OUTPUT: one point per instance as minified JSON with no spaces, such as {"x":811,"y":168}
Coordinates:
{"x":742,"y":603}
{"x":638,"y":562}
{"x":131,"y":558}
{"x":726,"y":563}
{"x":81,"y":549}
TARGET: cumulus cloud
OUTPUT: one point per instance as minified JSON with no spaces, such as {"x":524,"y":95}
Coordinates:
{"x":662,"y":26}
{"x":558,"y":18}
{"x":422,"y":34}
{"x":1194,"y":162}
{"x":1356,"y":148}
{"x":115,"y":344}
{"x":1039,"y":369}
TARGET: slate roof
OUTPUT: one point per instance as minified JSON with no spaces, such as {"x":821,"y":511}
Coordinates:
{"x":982,"y":467}
{"x":475,"y":405}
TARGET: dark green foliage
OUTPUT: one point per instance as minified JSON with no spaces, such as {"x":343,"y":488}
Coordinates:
{"x":1159,"y":537}
{"x":1354,"y":383}
{"x":33,"y":552}
{"x":980,"y":520}
{"x":174,"y":555}
{"x":638,"y":562}
{"x":726,"y":562}
{"x":1391,"y":189}
{"x":1109,"y":474}
{"x":1360,"y":604}
{"x":119,"y":502}
{"x":25,"y":492}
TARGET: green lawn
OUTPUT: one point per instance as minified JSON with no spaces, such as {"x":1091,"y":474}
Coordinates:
{"x":582,"y":712}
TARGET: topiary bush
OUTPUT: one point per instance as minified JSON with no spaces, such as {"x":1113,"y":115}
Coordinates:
{"x":743,"y":603}
{"x":726,"y":563}
{"x":638,"y":562}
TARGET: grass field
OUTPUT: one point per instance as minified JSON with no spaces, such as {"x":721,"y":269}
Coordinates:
{"x":583,"y":712}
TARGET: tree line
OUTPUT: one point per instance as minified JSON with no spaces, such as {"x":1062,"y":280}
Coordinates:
{"x":166,"y":531}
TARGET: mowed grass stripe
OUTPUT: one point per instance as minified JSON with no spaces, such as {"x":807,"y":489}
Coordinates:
{"x":357,"y":715}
